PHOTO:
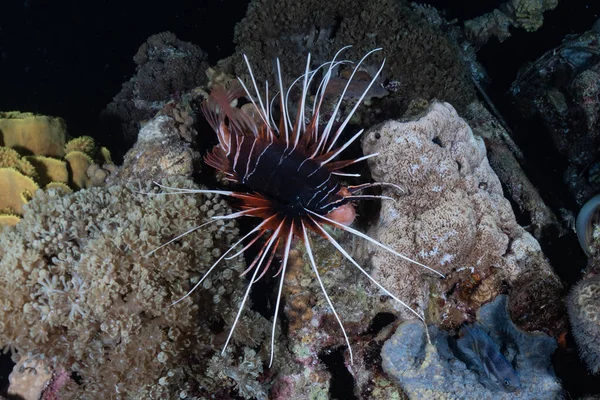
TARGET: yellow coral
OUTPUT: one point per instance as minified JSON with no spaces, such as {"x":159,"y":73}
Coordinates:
{"x":59,"y":186}
{"x":78,"y":164}
{"x":103,"y":156}
{"x":33,"y":147}
{"x":9,"y":158}
{"x":9,"y":219}
{"x":17,"y":190}
{"x":85,"y":144}
{"x":49,"y":169}
{"x":33,"y":134}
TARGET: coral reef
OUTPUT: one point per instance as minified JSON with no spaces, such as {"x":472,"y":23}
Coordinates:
{"x":312,"y":332}
{"x":421,"y":61}
{"x":166,"y":67}
{"x":16,"y":190}
{"x":526,"y":14}
{"x":29,"y":378}
{"x":560,"y":90}
{"x":584,"y":313}
{"x":83,"y":293}
{"x":475,"y":240}
{"x":431,"y":370}
{"x":31,"y":134}
{"x":505,"y":158}
{"x":164,"y":147}
{"x":36,"y":153}
{"x":452,"y":217}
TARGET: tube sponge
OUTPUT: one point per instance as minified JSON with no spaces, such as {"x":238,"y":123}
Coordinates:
{"x":584,"y":312}
{"x":80,"y":290}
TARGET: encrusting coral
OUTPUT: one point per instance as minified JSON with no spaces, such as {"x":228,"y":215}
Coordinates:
{"x":35,"y":154}
{"x":81,"y":291}
{"x":452,"y":216}
{"x":431,"y":370}
{"x":166,"y":67}
{"x":526,"y":14}
{"x":584,"y":313}
{"x":421,"y":60}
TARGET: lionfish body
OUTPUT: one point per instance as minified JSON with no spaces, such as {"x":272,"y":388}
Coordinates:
{"x":285,"y":177}
{"x":291,"y":176}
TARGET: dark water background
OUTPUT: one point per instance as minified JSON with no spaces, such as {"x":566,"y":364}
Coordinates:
{"x":69,"y":58}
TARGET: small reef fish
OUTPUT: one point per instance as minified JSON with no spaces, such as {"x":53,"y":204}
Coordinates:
{"x":358,"y":85}
{"x":481,"y":354}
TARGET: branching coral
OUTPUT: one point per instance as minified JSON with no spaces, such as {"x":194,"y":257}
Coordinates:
{"x":80,"y":291}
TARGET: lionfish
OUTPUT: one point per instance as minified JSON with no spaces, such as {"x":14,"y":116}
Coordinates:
{"x":292,"y":175}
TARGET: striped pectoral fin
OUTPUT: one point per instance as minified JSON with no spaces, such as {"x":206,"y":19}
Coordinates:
{"x":219,"y":161}
{"x":218,"y":107}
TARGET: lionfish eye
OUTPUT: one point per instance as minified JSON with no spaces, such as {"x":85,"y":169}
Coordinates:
{"x":506,"y":382}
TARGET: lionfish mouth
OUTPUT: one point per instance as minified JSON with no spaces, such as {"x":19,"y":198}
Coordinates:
{"x":291,"y":173}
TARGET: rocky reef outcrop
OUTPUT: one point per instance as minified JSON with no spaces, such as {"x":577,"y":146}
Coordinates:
{"x":560,"y":90}
{"x":166,"y":68}
{"x":454,"y":218}
{"x":421,"y":60}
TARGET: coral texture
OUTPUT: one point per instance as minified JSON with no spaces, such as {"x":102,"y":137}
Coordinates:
{"x":313,"y":333}
{"x":29,"y":378}
{"x":526,"y":14}
{"x":431,"y":370}
{"x":421,"y":61}
{"x":82,"y":292}
{"x":33,"y":134}
{"x":35,"y":153}
{"x":505,"y":159}
{"x":161,"y":150}
{"x":452,"y":217}
{"x":166,"y":67}
{"x":584,"y":313}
